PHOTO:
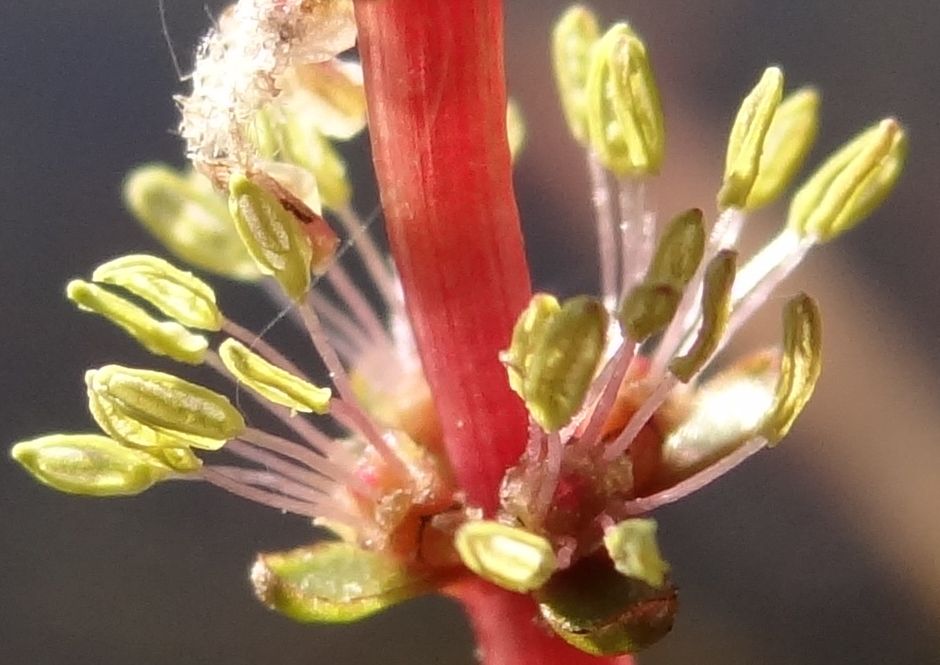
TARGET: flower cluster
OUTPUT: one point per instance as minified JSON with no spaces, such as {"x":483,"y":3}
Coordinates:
{"x":621,"y":418}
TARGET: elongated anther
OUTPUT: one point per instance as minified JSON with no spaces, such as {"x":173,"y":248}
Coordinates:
{"x":163,"y":338}
{"x":272,"y":382}
{"x":716,"y":309}
{"x":153,"y":409}
{"x":179,"y":294}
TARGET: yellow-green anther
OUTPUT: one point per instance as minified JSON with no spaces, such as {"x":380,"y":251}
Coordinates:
{"x":748,"y":134}
{"x":272,"y":382}
{"x":334,"y":582}
{"x":507,"y":556}
{"x":529,"y":328}
{"x":716,"y":308}
{"x":515,"y":129}
{"x":851,"y":183}
{"x":632,"y":547}
{"x":190,"y":218}
{"x":163,"y":338}
{"x":573,"y":39}
{"x":89,"y":464}
{"x":788,"y":142}
{"x":625,"y":119}
{"x":648,"y":309}
{"x":152,"y":409}
{"x":178,"y":294}
{"x":178,"y":459}
{"x":564,"y":360}
{"x":271,"y":234}
{"x":679,"y":251}
{"x":800,"y":366}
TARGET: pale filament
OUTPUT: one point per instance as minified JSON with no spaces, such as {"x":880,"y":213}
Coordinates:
{"x":603,"y":215}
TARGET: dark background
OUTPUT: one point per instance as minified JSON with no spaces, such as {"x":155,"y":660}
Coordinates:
{"x":825,"y":551}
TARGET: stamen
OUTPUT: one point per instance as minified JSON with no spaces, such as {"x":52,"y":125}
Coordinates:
{"x":356,"y":420}
{"x":286,"y":504}
{"x":549,"y":476}
{"x":642,"y":416}
{"x":358,"y":305}
{"x":297,"y":452}
{"x":603,"y":215}
{"x":696,"y":482}
{"x":752,"y":300}
{"x":302,"y":427}
{"x":265,"y":498}
{"x":272,"y":481}
{"x":345,"y":326}
{"x":310,"y":479}
{"x":637,"y":232}
{"x":724,"y":235}
{"x":619,"y":366}
{"x":259,"y":345}
{"x":372,"y":258}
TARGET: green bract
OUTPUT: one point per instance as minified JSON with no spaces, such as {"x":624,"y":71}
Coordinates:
{"x":632,"y":547}
{"x":272,"y":235}
{"x":178,"y":294}
{"x":334,"y":582}
{"x":510,"y":557}
{"x":152,"y":409}
{"x":89,"y":464}
{"x":190,"y":218}
{"x":716,"y":308}
{"x":786,"y":145}
{"x":573,"y":39}
{"x":625,"y":119}
{"x":272,"y":382}
{"x":596,"y":609}
{"x":561,"y":361}
{"x":746,"y":144}
{"x":851,"y":183}
{"x":164,"y":338}
{"x":800,"y":366}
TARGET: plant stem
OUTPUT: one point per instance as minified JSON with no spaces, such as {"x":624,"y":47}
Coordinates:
{"x":437,"y":117}
{"x":507,"y":631}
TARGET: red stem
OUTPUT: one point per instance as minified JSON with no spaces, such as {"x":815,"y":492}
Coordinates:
{"x":508,"y":633}
{"x":437,"y":119}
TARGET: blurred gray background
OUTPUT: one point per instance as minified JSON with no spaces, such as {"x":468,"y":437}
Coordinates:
{"x":826,"y":550}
